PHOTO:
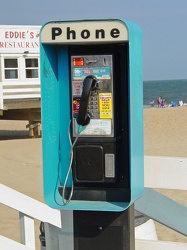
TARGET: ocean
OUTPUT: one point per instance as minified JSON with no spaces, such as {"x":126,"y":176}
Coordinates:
{"x":171,"y":90}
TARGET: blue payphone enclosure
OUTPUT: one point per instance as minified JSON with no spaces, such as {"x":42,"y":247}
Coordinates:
{"x":56,"y":115}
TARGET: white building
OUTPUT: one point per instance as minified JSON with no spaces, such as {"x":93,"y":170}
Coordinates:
{"x":20,"y":73}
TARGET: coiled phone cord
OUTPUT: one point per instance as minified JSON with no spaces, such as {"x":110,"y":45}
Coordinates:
{"x":66,"y":201}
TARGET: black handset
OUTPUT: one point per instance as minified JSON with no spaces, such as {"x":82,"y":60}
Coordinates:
{"x":89,"y":84}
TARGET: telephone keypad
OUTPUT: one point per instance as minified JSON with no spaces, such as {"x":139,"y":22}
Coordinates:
{"x":93,"y":106}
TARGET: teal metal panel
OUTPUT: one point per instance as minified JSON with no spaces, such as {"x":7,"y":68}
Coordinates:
{"x":50,"y":121}
{"x":64,"y":112}
{"x":136,"y":111}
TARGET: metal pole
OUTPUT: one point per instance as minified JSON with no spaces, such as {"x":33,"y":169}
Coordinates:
{"x":104,"y":230}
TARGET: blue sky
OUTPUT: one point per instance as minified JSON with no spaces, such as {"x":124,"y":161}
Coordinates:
{"x":163,"y":24}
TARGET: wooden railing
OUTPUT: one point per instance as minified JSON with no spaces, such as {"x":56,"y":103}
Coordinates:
{"x":28,"y":209}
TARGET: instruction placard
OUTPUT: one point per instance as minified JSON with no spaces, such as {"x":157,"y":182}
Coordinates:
{"x":105,"y":105}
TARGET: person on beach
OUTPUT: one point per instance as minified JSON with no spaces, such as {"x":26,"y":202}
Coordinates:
{"x":163,"y":103}
{"x":152,"y":103}
{"x":159,"y":101}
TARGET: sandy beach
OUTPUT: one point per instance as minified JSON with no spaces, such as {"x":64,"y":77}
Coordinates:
{"x":21,"y":161}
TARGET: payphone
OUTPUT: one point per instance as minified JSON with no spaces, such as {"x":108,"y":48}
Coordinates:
{"x":92,"y":97}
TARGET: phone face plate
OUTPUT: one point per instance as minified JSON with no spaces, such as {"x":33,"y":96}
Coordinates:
{"x":101,"y":105}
